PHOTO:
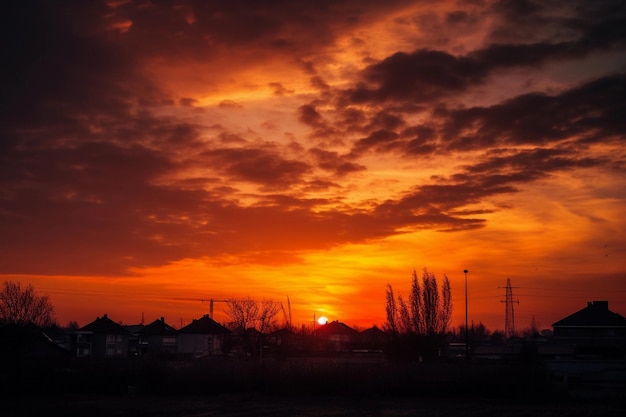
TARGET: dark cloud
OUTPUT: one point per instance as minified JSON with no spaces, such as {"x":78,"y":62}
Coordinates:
{"x":282,"y":27}
{"x":229,"y":104}
{"x":101,"y":171}
{"x":332,"y":161}
{"x":61,"y":71}
{"x":188,"y":102}
{"x":590,"y":112}
{"x":598,"y":24}
{"x":529,"y":165}
{"x":429,"y":76}
{"x":258,"y":166}
{"x":279,"y":89}
{"x":309,"y":115}
{"x":380,"y":140}
{"x":422,"y":76}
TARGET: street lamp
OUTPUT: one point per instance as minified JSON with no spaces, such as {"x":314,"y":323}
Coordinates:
{"x":465,"y":271}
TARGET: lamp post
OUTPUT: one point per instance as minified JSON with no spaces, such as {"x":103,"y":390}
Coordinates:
{"x":465,"y":271}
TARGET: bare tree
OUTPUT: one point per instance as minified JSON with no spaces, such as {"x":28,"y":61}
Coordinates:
{"x":391,"y":310}
{"x":430,"y":302}
{"x":252,"y":319}
{"x":446,"y":305}
{"x":23,"y":305}
{"x":266,"y":320}
{"x":428,"y":312}
{"x":246,"y":313}
{"x":404,"y":317}
{"x":415,"y":301}
{"x":243,"y":313}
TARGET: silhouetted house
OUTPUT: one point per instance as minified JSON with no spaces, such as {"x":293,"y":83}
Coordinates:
{"x":158,"y":338}
{"x":202,"y":337}
{"x":336,"y":336}
{"x":28,"y":343}
{"x":593,"y":330}
{"x":29,"y":362}
{"x":62,"y":337}
{"x":102,"y":338}
{"x":373,"y":339}
{"x":133,"y":338}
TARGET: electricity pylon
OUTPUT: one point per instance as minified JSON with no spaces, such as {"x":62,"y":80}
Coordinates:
{"x":509,"y":322}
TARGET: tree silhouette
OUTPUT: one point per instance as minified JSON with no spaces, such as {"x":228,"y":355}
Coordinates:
{"x":21,"y":306}
{"x":251,"y":319}
{"x":429,"y":310}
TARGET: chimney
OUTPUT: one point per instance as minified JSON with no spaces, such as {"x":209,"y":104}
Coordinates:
{"x":601,"y":305}
{"x":162,"y":319}
{"x":105,"y":316}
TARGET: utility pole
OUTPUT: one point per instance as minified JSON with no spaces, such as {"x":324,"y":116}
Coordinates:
{"x":509,"y":321}
{"x":465,"y":271}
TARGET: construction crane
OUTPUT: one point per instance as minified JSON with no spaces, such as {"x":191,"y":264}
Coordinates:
{"x":211,"y":302}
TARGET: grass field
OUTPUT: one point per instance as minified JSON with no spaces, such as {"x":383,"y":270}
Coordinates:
{"x":301,"y":406}
{"x":308,"y":387}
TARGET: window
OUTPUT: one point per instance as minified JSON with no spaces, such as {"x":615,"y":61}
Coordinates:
{"x":81,"y":352}
{"x":83,"y":338}
{"x":114,"y":351}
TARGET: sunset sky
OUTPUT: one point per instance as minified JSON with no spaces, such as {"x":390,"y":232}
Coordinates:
{"x":155,"y":154}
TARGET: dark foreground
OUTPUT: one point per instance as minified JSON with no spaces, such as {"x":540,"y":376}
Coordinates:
{"x":323,"y":387}
{"x":241,"y":405}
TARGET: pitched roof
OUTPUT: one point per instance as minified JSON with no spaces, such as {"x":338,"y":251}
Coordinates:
{"x":133,"y":328}
{"x":596,"y":314}
{"x":27,"y":341}
{"x":54,"y":332}
{"x":336,"y":327}
{"x":373,"y":331}
{"x":104,"y":325}
{"x":204,"y":325}
{"x":158,"y":328}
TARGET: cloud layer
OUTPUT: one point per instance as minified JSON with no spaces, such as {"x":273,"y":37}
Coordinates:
{"x":136,"y":134}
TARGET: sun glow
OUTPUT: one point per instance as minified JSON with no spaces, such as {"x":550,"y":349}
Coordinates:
{"x":322,"y":321}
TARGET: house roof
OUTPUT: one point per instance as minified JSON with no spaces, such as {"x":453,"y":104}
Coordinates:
{"x":133,"y":328}
{"x":336,"y":327}
{"x":104,"y":325}
{"x":54,"y":332}
{"x":158,"y":328}
{"x":28,"y":341}
{"x":373,"y":331}
{"x":204,"y":325}
{"x":596,"y":314}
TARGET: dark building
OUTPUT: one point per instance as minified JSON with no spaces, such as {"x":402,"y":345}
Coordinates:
{"x":158,"y":338}
{"x":336,"y":336}
{"x":594,"y":330}
{"x":373,"y":339}
{"x":28,"y":343}
{"x":102,"y":338}
{"x":202,"y":337}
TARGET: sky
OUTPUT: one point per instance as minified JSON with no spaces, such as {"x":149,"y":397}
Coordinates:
{"x":159,"y":154}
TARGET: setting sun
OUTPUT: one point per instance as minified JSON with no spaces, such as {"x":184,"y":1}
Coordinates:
{"x":322,"y":320}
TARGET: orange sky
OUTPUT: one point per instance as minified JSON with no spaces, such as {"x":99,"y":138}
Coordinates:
{"x":158,"y":155}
